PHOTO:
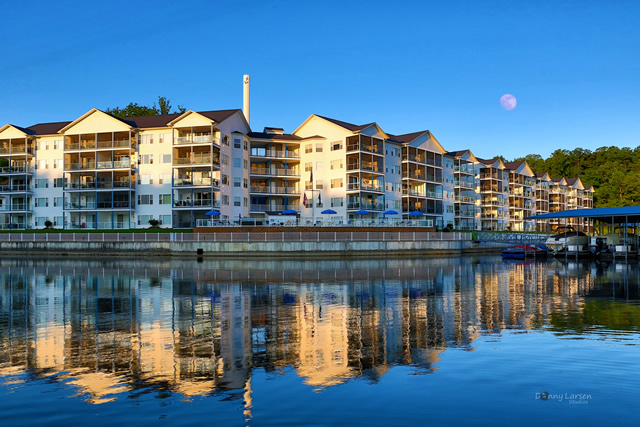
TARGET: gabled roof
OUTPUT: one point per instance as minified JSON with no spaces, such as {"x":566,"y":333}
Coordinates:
{"x":543,"y":176}
{"x":90,"y":112}
{"x":461,"y":154}
{"x":590,"y":189}
{"x":346,"y":125}
{"x":23,"y":130}
{"x":48,"y":128}
{"x":408,"y":137}
{"x":560,"y":181}
{"x":159,"y":121}
{"x":266,"y":135}
{"x":513,"y":165}
{"x":494,"y":163}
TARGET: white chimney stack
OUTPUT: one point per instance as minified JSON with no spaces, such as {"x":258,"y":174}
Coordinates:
{"x":245,"y":97}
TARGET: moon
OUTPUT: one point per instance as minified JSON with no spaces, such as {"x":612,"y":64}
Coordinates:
{"x":508,"y":101}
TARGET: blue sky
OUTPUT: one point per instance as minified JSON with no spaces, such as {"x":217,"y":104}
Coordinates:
{"x":574,"y":66}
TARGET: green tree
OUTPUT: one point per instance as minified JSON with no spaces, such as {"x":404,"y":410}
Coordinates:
{"x":135,"y":110}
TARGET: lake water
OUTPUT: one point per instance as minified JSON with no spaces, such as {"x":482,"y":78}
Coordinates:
{"x":395,"y":341}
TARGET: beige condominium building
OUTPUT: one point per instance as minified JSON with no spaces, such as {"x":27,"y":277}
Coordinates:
{"x":186,"y":169}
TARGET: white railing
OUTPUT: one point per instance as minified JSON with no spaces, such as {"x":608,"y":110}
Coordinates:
{"x":269,"y":235}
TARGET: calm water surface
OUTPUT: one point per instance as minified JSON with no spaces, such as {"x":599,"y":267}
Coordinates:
{"x":332,"y":342}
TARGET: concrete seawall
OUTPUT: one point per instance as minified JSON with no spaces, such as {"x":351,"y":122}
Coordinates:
{"x":235,"y":249}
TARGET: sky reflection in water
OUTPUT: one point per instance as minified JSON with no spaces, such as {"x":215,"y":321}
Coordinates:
{"x":378,"y":341}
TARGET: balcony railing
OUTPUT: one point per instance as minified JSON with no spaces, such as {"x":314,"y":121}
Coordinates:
{"x":275,"y":172}
{"x":98,"y":185}
{"x":91,"y":205}
{"x":196,"y":182}
{"x":274,"y":190}
{"x":365,"y":206}
{"x":463,"y":184}
{"x":465,"y":199}
{"x":196,"y":160}
{"x":364,"y":186}
{"x":274,"y":208}
{"x":16,"y":169}
{"x":205,"y":203}
{"x":275,"y":154}
{"x":16,"y":188}
{"x":365,"y":166}
{"x":196,"y":139}
{"x":16,"y":207}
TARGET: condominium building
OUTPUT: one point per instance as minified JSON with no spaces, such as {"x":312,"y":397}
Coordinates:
{"x":181,"y":170}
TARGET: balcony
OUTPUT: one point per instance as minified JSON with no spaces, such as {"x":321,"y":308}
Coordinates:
{"x":274,"y":154}
{"x":365,"y":206}
{"x":467,"y":169}
{"x":91,"y":205}
{"x":274,"y":208}
{"x":16,"y":169}
{"x":196,"y":182}
{"x":463,"y":184}
{"x":414,"y":193}
{"x":196,"y":139}
{"x":22,"y":207}
{"x":200,"y":204}
{"x":274,"y":190}
{"x":196,"y":159}
{"x":99,"y":185}
{"x":274,"y":172}
{"x":414,"y":158}
{"x":465,"y":199}
{"x":356,"y":186}
{"x":366,"y":166}
{"x":15,"y":188}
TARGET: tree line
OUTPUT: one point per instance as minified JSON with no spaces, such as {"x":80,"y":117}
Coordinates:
{"x":614,"y":172}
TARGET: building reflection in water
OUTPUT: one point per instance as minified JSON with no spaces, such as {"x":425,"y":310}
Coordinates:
{"x":176,"y":326}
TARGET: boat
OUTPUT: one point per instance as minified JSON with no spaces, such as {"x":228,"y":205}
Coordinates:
{"x":517,"y":251}
{"x":567,"y":240}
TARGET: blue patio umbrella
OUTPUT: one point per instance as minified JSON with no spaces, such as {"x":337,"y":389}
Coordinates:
{"x":390,"y":212}
{"x":289,"y":212}
{"x":212,"y":212}
{"x":415,"y":213}
{"x":328,"y":212}
{"x":362,"y":212}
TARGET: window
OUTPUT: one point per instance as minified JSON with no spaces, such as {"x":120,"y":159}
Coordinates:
{"x":319,"y":185}
{"x":57,"y":182}
{"x":146,"y":179}
{"x":336,"y":145}
{"x":246,"y":183}
{"x":57,"y":144}
{"x":144,"y":219}
{"x":336,"y":202}
{"x":58,"y":221}
{"x":308,"y":166}
{"x":165,"y":219}
{"x":40,"y":220}
{"x":57,"y":164}
{"x":42,"y":183}
{"x":43,"y":164}
{"x":145,"y":199}
{"x":224,"y":159}
{"x":319,"y":147}
{"x":147,"y":159}
{"x":336,"y":164}
{"x":237,"y":201}
{"x":246,"y":146}
{"x":308,"y":148}
{"x":246,"y":202}
{"x":225,"y":179}
{"x":237,"y":163}
{"x":146,"y":139}
{"x":308,"y":185}
{"x":225,"y":140}
{"x":336,"y":183}
{"x":164,"y":137}
{"x":164,"y":178}
{"x":449,"y":209}
{"x":166,"y":158}
{"x":164,"y":199}
{"x":58,"y":201}
{"x":42,"y":202}
{"x":246,"y":164}
{"x":319,"y":166}
{"x":237,"y":143}
{"x":225,"y":200}
{"x":236,"y":182}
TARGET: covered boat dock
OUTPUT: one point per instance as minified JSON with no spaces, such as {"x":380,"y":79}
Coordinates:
{"x":604,"y":222}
